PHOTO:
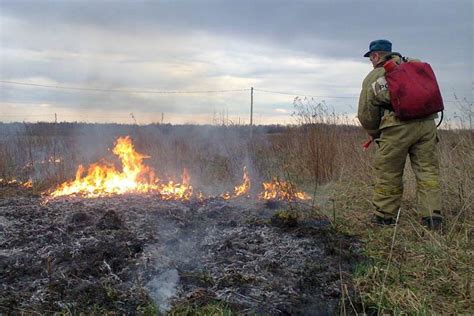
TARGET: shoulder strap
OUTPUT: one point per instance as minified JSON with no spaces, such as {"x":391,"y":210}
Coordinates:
{"x":389,"y":56}
{"x":395,"y":54}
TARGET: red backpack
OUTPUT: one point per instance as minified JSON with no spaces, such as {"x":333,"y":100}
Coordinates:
{"x":414,"y":91}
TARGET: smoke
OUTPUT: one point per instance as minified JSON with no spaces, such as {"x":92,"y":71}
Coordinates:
{"x":214,"y":156}
{"x":163,"y":287}
{"x":179,"y":248}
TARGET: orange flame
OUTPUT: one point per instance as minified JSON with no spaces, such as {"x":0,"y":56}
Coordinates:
{"x":177,"y":191}
{"x":103,"y":179}
{"x":28,"y":184}
{"x":281,"y":190}
{"x":135,"y":177}
{"x":14,"y":182}
{"x":240,"y":189}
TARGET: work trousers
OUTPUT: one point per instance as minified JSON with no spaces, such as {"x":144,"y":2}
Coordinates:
{"x":418,"y":140}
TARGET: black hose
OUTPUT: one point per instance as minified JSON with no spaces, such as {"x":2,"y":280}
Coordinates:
{"x":441,"y":120}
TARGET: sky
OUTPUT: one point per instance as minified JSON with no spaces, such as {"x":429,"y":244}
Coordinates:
{"x":122,"y":58}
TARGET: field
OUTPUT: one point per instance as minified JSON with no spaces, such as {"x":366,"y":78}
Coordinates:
{"x":214,"y":256}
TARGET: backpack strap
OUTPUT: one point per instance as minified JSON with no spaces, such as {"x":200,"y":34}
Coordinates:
{"x":391,"y":55}
{"x":395,"y":54}
{"x":441,"y":120}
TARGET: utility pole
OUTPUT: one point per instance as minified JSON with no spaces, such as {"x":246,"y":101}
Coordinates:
{"x":251,"y":106}
{"x":162,"y":117}
{"x":57,"y":174}
{"x":251,"y":112}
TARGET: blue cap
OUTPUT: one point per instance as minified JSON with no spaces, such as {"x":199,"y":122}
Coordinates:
{"x":379,"y":45}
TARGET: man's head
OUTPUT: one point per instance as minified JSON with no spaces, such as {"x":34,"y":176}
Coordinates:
{"x":377,"y":57}
{"x":378,"y":49}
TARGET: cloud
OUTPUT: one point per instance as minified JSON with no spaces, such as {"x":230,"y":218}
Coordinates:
{"x":334,"y":28}
{"x":302,"y":47}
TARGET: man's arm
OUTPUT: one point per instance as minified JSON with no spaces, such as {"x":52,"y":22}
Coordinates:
{"x":373,"y":98}
{"x":368,"y":113}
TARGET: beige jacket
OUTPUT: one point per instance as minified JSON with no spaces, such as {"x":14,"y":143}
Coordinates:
{"x":373,"y":98}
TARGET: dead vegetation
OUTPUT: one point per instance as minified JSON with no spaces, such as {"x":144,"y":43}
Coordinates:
{"x":265,"y":258}
{"x":130,"y":254}
{"x":428,"y":272}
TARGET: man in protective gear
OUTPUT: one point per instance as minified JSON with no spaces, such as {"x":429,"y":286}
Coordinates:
{"x":395,"y":139}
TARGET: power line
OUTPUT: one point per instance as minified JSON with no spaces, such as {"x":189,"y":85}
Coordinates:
{"x":119,"y":90}
{"x":20,"y":115}
{"x":186,"y":91}
{"x":326,"y":96}
{"x":307,"y":95}
{"x":68,"y":116}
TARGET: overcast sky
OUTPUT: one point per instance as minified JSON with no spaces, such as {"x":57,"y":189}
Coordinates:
{"x":301,"y":47}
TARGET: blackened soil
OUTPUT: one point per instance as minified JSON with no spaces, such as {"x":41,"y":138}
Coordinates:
{"x":125,"y":254}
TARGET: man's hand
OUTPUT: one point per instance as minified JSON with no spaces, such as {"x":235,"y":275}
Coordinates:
{"x":366,"y":145}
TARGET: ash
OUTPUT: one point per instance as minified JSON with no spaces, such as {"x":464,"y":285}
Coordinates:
{"x":115,"y":254}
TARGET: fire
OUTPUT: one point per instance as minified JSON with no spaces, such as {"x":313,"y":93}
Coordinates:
{"x":27,"y":184}
{"x":103,"y":179}
{"x":240,"y":189}
{"x":135,"y":177}
{"x":174,"y":191}
{"x":14,"y":182}
{"x":281,"y":190}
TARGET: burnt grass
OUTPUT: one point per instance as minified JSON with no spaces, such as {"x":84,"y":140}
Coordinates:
{"x":138,"y":254}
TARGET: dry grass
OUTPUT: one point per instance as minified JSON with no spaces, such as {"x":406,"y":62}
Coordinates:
{"x":429,"y":272}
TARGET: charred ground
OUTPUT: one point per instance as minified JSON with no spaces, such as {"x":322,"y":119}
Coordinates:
{"x":132,"y":254}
